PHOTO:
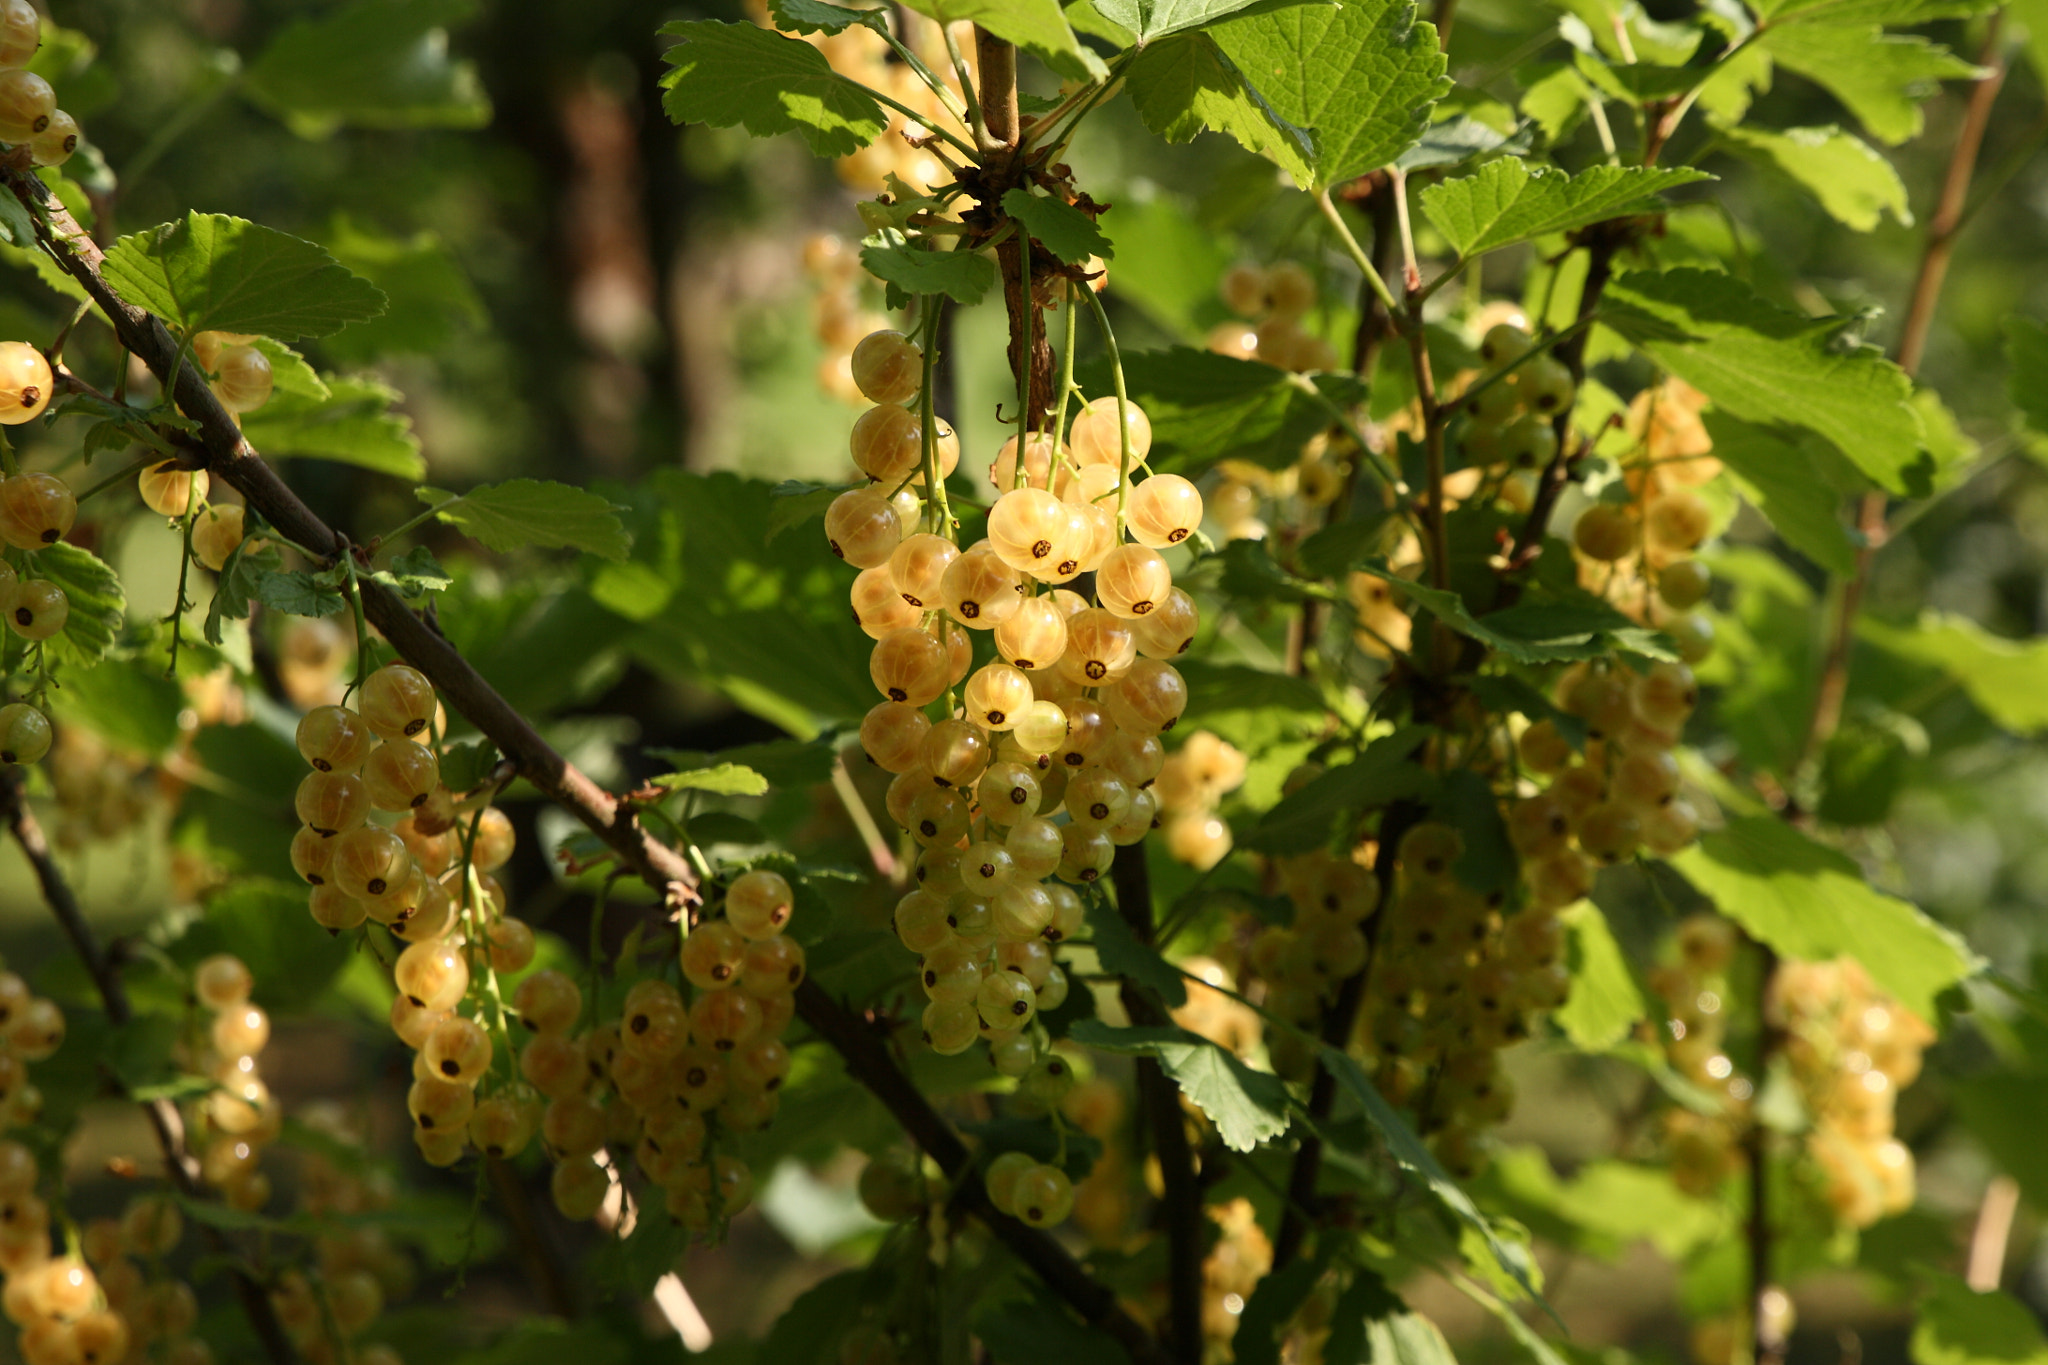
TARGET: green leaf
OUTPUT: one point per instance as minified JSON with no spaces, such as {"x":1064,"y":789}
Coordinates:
{"x":1184,"y":85}
{"x":299,"y":593}
{"x":465,"y":766}
{"x":1605,"y":1207}
{"x":371,"y":64}
{"x":1810,"y":902}
{"x":1765,"y":365}
{"x":16,"y":227}
{"x":2002,"y":677}
{"x":1039,"y":26}
{"x":1781,"y":481}
{"x":215,"y":273}
{"x":1605,"y":1001}
{"x":1880,"y":77}
{"x":1058,"y":226}
{"x":1262,"y":1327}
{"x":240,"y":577}
{"x":1408,"y":1150}
{"x":1959,"y":1325}
{"x":1207,"y":407}
{"x":1849,"y":177}
{"x":1508,"y":201}
{"x":1387,"y":770}
{"x":797,"y":502}
{"x":1248,"y":1107}
{"x":737,"y":74}
{"x":963,"y":276}
{"x":290,"y":375}
{"x":1173,"y":278}
{"x":1040,"y":1329}
{"x":783,"y":762}
{"x":2026,"y":358}
{"x":1362,"y":75}
{"x":1536,"y":631}
{"x":98,"y":603}
{"x":1123,"y":954}
{"x":520,"y":512}
{"x":432,"y":302}
{"x":127,"y":702}
{"x":1400,"y":1338}
{"x":265,"y":924}
{"x":727,"y":779}
{"x":353,"y":425}
{"x":414,"y":574}
{"x":815,"y":16}
{"x":1153,"y":19}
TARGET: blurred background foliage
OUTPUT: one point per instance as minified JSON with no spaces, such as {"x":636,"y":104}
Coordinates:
{"x":583,"y":292}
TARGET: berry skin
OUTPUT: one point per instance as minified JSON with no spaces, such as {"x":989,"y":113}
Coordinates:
{"x":578,"y":1188}
{"x":26,"y":383}
{"x":433,"y":976}
{"x":1132,"y":581}
{"x":398,"y":702}
{"x":759,"y":904}
{"x":980,"y":591}
{"x":55,"y":144}
{"x":714,"y":955}
{"x":1546,"y":386}
{"x":1164,"y":510}
{"x":887,"y":443}
{"x":1503,"y":344}
{"x":222,"y":982}
{"x":1042,"y":1196}
{"x":863,"y":528}
{"x":26,"y":104}
{"x":24,"y":733}
{"x":1673,"y":521}
{"x":548,"y":1002}
{"x":35,"y":510}
{"x":917,"y":566}
{"x":245,"y":380}
{"x":370,"y":863}
{"x":1604,"y":532}
{"x":21,"y":33}
{"x":494,"y":841}
{"x":1035,"y":637}
{"x":168,"y":490}
{"x":331,"y":802}
{"x":910,"y":666}
{"x":216,"y":531}
{"x":1683,"y":585}
{"x":334,"y":739}
{"x":39,"y":611}
{"x":775,"y":967}
{"x":242,"y":1031}
{"x":1094,"y":438}
{"x":1243,"y":288}
{"x":888,"y":367}
{"x":512,"y":945}
{"x":400,"y":775}
{"x":458,"y":1050}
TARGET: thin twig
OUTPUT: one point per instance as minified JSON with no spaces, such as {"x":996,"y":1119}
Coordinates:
{"x":169,"y":1125}
{"x":1994,"y":1229}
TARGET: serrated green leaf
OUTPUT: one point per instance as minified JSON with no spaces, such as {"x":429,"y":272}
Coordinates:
{"x":1207,"y":407}
{"x":727,"y":779}
{"x":1459,"y":138}
{"x":786,"y":763}
{"x":1388,"y":769}
{"x":2004,"y":678}
{"x":963,"y":276}
{"x":1039,"y":26}
{"x":414,"y":574}
{"x":299,"y":593}
{"x":1781,"y":481}
{"x":2026,"y":380}
{"x":1765,"y":365}
{"x":522,"y":512}
{"x":1150,"y":20}
{"x":815,"y":16}
{"x":1561,"y":628}
{"x":1810,"y":902}
{"x":1184,"y":85}
{"x":1605,"y":1001}
{"x":1959,"y":1325}
{"x":354,"y":425}
{"x":1058,"y":226}
{"x":211,"y":272}
{"x":1508,"y":201}
{"x":371,"y":64}
{"x":97,"y":601}
{"x":1849,"y":177}
{"x":730,"y":75}
{"x":1248,"y":1107}
{"x":1124,"y":955}
{"x":1880,"y":77}
{"x":1408,"y":1150}
{"x":240,"y":576}
{"x":1363,"y":76}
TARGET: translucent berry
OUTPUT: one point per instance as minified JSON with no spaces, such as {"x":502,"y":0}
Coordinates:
{"x":216,"y":532}
{"x":887,"y":443}
{"x":400,"y":775}
{"x":714,"y":955}
{"x":1164,"y":510}
{"x":244,"y":380}
{"x":955,"y":753}
{"x":397,"y":702}
{"x":910,"y":666}
{"x":917,"y":566}
{"x":169,"y":490}
{"x":26,"y":104}
{"x":980,"y":591}
{"x":997,"y":695}
{"x":775,"y":967}
{"x":332,"y":802}
{"x":25,"y":733}
{"x":242,"y":1031}
{"x":222,"y":982}
{"x":40,"y":609}
{"x":433,"y":976}
{"x":1032,"y":531}
{"x":494,"y":841}
{"x":888,"y":367}
{"x":1132,"y":581}
{"x":55,"y":144}
{"x":1042,"y":1196}
{"x":26,"y":383}
{"x":1094,"y":439}
{"x":334,"y":739}
{"x":1035,"y":636}
{"x":863,"y":528}
{"x":759,"y":904}
{"x":20,"y":33}
{"x":548,"y":1002}
{"x":36,"y":510}
{"x":369,"y":862}
{"x":458,"y":1050}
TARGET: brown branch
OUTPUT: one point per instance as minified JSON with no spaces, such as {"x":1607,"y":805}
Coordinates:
{"x":231,"y":458}
{"x":1943,"y":226}
{"x":180,"y":1165}
{"x":1159,"y":1098}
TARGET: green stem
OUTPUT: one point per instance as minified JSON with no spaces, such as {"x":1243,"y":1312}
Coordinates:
{"x":407,"y":527}
{"x":355,"y":601}
{"x":7,"y":465}
{"x":1059,"y":414}
{"x":1358,"y":256}
{"x":132,"y":468}
{"x":934,"y":482}
{"x":1500,"y":375}
{"x":953,"y":104}
{"x":967,"y":91}
{"x":1123,"y":410}
{"x":914,"y":117}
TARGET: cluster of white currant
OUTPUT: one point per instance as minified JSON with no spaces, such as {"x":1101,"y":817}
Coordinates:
{"x":240,"y":377}
{"x":838,"y":314}
{"x":359,"y":1268}
{"x":1065,"y":722}
{"x":156,"y":1311}
{"x":1194,"y":778}
{"x":673,"y":1074}
{"x":240,"y":1117}
{"x":1270,"y":303}
{"x":29,"y":115}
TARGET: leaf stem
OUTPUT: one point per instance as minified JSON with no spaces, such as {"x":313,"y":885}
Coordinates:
{"x":937,"y":507}
{"x":1357,"y":254}
{"x":1123,"y":410}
